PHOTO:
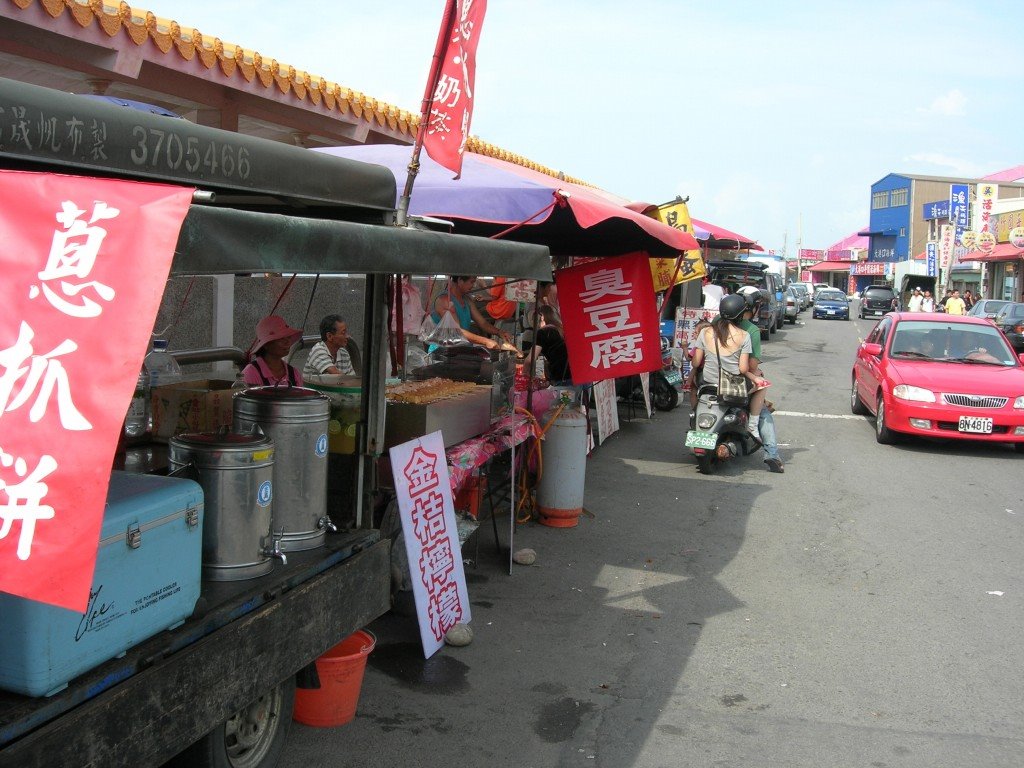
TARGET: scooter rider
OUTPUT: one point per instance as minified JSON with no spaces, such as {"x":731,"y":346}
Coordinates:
{"x":766,"y":422}
{"x":732,"y":354}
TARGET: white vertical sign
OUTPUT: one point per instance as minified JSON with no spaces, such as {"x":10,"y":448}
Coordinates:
{"x":431,"y":539}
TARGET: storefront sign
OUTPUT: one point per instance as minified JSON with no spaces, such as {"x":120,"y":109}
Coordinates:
{"x":937,"y":210}
{"x":868,"y":268}
{"x":691,"y":266}
{"x":812,"y":254}
{"x":686,"y":330}
{"x":932,"y":258}
{"x":983,"y":214}
{"x":607,"y":410}
{"x":84,"y":264}
{"x":959,"y":209}
{"x":447,"y":125}
{"x":1004,"y":223}
{"x":946,"y":233}
{"x":610,"y":318}
{"x":521,"y":291}
{"x":431,"y":538}
{"x":1017,"y":237}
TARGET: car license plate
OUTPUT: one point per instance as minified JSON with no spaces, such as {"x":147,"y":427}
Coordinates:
{"x":695,"y":439}
{"x":973,"y":424}
{"x":831,"y":311}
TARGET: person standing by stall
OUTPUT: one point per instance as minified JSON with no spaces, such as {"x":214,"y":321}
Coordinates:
{"x":457,"y":302}
{"x":551,"y":344}
{"x":330,"y":354}
{"x":274,"y":339}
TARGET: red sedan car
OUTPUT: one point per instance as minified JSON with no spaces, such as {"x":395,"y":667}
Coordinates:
{"x":939,"y":375}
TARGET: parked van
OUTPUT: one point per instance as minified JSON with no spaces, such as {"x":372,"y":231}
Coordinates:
{"x":733,"y":275}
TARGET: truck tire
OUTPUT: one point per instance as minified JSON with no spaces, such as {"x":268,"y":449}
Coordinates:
{"x":253,"y":737}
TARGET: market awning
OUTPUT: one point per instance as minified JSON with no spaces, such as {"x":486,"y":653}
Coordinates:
{"x":1001,"y":252}
{"x":224,"y":240}
{"x":830,"y":266}
{"x":493,"y":195}
{"x":720,"y":237}
{"x":133,"y":143}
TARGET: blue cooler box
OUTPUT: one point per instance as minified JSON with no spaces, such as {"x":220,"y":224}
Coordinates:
{"x":147,"y":580}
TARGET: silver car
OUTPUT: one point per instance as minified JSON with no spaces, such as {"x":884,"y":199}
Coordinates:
{"x":792,"y":305}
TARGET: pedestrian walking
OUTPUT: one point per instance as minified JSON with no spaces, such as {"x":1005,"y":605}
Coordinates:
{"x":915,"y":301}
{"x":955,"y":305}
{"x":968,"y":299}
{"x":927,"y":302}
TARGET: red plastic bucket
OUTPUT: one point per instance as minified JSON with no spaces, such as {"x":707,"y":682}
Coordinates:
{"x":341,"y":676}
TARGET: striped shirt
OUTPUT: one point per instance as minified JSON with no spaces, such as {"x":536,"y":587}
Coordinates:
{"x":320,"y":360}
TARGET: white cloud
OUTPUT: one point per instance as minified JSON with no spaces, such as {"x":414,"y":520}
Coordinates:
{"x":950,"y":104}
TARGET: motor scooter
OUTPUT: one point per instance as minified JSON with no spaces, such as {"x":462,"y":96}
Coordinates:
{"x":664,"y":383}
{"x":720,"y":431}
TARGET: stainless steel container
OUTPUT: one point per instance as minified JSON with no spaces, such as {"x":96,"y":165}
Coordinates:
{"x":296,"y":419}
{"x":236,"y":474}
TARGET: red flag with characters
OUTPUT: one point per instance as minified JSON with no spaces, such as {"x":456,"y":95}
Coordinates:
{"x":84,"y":264}
{"x":451,"y":110}
{"x":610,"y":318}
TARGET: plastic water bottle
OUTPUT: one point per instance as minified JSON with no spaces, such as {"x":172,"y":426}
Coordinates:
{"x":160,"y":366}
{"x":137,"y":422}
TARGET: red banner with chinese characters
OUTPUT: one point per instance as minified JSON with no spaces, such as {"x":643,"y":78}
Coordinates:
{"x":84,"y":265}
{"x":447,"y":127}
{"x":610,"y":318}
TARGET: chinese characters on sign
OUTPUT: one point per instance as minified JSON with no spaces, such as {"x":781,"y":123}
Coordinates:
{"x":611,"y":326}
{"x":932,"y":255}
{"x":447,"y":126}
{"x":73,"y":282}
{"x":959,"y":210}
{"x":431,"y":538}
{"x":983,"y":215}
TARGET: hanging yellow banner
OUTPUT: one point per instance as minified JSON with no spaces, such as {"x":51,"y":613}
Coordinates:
{"x":691,"y":265}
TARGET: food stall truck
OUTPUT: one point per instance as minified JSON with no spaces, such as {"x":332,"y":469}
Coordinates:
{"x":220,"y":685}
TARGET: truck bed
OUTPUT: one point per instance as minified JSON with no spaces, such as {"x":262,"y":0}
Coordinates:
{"x":243,"y":638}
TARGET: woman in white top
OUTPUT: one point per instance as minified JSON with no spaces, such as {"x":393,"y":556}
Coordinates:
{"x":732,"y":354}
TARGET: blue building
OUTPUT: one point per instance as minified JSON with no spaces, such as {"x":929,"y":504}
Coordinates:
{"x":903,"y":219}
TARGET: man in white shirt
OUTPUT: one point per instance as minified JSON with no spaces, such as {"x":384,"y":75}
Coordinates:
{"x":329,"y":355}
{"x":712,"y":295}
{"x":916,"y":301}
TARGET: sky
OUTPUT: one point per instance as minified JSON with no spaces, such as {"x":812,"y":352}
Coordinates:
{"x":774,"y":118}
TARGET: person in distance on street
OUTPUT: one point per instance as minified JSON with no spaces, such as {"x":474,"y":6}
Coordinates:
{"x":915,"y":301}
{"x":734,"y":346}
{"x":968,"y":298}
{"x":955,"y":305}
{"x":927,"y":302}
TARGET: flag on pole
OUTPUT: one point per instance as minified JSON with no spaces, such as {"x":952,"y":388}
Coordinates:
{"x":690,"y":266}
{"x":447,"y":123}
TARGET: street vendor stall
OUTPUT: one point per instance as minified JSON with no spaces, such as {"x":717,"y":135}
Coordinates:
{"x":272,"y":209}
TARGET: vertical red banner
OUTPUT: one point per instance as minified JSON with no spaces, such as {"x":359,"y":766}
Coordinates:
{"x":447,"y":126}
{"x":610,"y":318}
{"x":84,"y":264}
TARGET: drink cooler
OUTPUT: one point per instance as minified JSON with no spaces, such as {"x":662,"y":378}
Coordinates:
{"x":136,"y":591}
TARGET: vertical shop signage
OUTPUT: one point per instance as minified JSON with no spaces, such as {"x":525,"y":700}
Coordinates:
{"x":983,"y":216}
{"x":607,"y":410}
{"x":447,"y":126}
{"x":946,"y":232}
{"x":959,"y":210}
{"x":610,"y":318}
{"x":932,"y":258}
{"x":686,"y":332}
{"x":79,"y":303}
{"x":425,"y":504}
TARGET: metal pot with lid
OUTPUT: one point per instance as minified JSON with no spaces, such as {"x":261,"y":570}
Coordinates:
{"x":296,"y":418}
{"x":236,"y":474}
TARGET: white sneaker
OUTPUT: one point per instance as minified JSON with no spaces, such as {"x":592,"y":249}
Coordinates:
{"x":753,"y":431}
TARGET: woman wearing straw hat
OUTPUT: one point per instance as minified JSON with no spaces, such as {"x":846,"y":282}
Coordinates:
{"x":274,"y":339}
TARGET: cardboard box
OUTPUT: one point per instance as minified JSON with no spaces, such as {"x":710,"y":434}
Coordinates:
{"x":458,"y":418}
{"x":190,"y":406}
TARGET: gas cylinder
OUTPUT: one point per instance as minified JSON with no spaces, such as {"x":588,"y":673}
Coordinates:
{"x":560,"y":493}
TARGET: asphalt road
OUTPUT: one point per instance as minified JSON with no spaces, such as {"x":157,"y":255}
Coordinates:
{"x":863,"y":609}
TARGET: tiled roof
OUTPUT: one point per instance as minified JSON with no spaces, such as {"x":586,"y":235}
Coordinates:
{"x":234,"y":61}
